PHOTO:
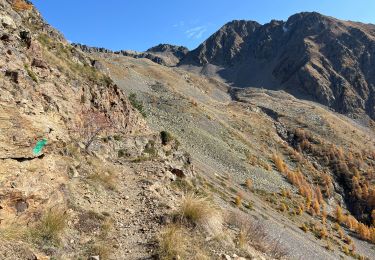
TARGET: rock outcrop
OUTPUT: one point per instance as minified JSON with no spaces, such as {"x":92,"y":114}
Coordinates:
{"x":163,"y":54}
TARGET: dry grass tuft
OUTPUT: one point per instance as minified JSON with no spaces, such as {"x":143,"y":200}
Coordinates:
{"x":249,"y":184}
{"x":102,"y":249}
{"x":279,"y":163}
{"x":173,"y":243}
{"x":102,"y":174}
{"x":48,"y":230}
{"x":21,"y":5}
{"x":253,"y":233}
{"x":106,"y":179}
{"x":201,"y":212}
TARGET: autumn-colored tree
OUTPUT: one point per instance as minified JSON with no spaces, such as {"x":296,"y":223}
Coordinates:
{"x":308,"y":204}
{"x":372,"y":235}
{"x":345,"y":249}
{"x":283,"y":207}
{"x":316,"y":207}
{"x":351,"y":222}
{"x":323,"y":233}
{"x":318,"y":194}
{"x":238,"y":200}
{"x":339,"y":215}
{"x":363,"y":231}
{"x":299,"y":211}
{"x":279,"y":163}
{"x":327,"y":182}
{"x":249,"y":184}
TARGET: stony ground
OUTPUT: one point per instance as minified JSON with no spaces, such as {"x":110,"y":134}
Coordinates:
{"x":220,"y":133}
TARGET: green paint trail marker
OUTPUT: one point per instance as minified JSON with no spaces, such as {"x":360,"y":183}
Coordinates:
{"x":39,"y":146}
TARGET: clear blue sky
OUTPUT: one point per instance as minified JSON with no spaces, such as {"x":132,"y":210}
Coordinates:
{"x":140,"y":24}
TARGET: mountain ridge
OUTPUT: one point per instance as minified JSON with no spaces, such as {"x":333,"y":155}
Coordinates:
{"x":310,"y":55}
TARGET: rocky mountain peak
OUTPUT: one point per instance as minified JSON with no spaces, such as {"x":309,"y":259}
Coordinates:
{"x":163,"y":47}
{"x":311,"y":55}
{"x":224,"y":46}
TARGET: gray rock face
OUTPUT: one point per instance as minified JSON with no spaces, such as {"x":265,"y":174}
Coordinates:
{"x":178,"y":51}
{"x":310,"y":55}
{"x":163,"y":54}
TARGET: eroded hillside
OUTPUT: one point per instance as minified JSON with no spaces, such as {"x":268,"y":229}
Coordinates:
{"x":144,"y":161}
{"x":286,"y":149}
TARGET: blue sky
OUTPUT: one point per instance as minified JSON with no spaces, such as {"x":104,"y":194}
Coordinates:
{"x":140,"y":24}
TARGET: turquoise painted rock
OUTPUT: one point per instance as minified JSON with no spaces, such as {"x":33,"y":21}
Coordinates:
{"x":39,"y":146}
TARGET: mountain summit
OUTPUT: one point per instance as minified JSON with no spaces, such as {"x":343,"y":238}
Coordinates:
{"x":312,"y":56}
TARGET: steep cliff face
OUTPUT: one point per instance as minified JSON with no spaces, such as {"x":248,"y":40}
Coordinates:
{"x":310,"y":55}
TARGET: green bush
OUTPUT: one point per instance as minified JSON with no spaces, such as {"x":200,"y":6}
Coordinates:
{"x":166,"y":137}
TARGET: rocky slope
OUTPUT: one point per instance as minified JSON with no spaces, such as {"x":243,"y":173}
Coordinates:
{"x":105,"y":185}
{"x":310,"y":55}
{"x":79,"y":196}
{"x":232,"y":136}
{"x":164,"y":54}
{"x":145,"y":161}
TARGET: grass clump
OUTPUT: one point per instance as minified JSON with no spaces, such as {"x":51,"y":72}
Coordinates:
{"x":101,"y":248}
{"x":166,"y":137}
{"x":47,"y":232}
{"x":102,"y":173}
{"x":31,"y":74}
{"x":173,"y":243}
{"x":199,"y":211}
{"x":21,"y":5}
{"x":238,"y":200}
{"x":106,"y":179}
{"x":137,"y":104}
{"x":196,"y":209}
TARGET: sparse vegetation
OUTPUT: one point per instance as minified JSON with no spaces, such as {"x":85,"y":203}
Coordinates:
{"x":137,"y":104}
{"x":249,"y":184}
{"x":102,"y":173}
{"x":107,"y":179}
{"x":200,"y":211}
{"x":31,"y":74}
{"x":101,"y":249}
{"x":47,"y":232}
{"x":238,"y":200}
{"x":173,"y":243}
{"x":89,"y":125}
{"x":253,"y":233}
{"x":21,"y":5}
{"x":166,"y":137}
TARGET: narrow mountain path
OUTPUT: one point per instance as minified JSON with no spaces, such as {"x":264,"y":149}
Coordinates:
{"x":134,"y":208}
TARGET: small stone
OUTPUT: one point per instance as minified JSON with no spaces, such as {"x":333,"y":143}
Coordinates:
{"x":225,"y":257}
{"x":131,"y":211}
{"x":95,"y":257}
